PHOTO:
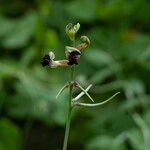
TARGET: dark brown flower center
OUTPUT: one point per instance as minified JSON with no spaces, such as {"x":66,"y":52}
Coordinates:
{"x":73,"y":58}
{"x":46,"y":61}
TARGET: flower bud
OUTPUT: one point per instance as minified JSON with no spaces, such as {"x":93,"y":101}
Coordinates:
{"x":72,"y":30}
{"x":76,"y":27}
{"x":85,"y":42}
{"x":85,"y":39}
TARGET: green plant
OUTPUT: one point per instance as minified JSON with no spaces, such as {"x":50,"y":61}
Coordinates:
{"x":72,"y":55}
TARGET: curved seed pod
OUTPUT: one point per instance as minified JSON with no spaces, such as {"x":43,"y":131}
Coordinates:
{"x":76,"y":103}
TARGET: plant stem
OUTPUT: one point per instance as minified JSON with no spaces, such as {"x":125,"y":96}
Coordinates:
{"x":72,"y":72}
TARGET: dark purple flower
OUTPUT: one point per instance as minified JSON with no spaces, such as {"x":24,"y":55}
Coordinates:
{"x":46,"y":61}
{"x":73,"y":57}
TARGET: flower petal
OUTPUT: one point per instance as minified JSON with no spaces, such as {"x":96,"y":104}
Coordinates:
{"x":51,"y":55}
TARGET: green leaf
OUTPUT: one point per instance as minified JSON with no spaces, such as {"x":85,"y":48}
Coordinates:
{"x":102,"y":74}
{"x":100,"y":142}
{"x":10,"y":135}
{"x":98,"y":57}
{"x":135,"y":137}
{"x":20,"y":31}
{"x":134,"y":87}
{"x":75,"y":8}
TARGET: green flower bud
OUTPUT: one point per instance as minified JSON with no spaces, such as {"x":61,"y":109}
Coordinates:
{"x":72,"y":30}
{"x":76,"y":27}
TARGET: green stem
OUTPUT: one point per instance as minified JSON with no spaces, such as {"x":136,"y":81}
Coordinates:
{"x":72,"y":72}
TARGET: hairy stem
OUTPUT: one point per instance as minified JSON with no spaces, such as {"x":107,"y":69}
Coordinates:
{"x":72,"y":72}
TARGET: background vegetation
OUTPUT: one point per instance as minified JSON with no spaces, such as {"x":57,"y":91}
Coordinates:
{"x":118,"y":59}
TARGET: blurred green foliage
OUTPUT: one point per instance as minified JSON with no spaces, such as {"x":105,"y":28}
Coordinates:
{"x":118,"y":60}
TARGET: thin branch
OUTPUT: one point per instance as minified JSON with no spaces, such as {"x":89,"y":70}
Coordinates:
{"x":82,"y":93}
{"x":61,"y":90}
{"x":94,"y":105}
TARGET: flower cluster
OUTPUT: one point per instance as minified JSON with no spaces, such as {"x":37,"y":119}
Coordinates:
{"x":72,"y":56}
{"x":72,"y":53}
